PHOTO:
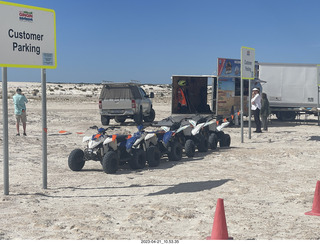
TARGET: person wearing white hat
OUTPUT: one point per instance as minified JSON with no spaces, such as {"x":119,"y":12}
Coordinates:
{"x":255,"y":107}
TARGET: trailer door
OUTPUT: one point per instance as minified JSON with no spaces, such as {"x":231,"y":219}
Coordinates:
{"x":195,"y":90}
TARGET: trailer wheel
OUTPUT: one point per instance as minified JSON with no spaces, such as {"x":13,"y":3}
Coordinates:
{"x":110,"y":162}
{"x":213,"y":141}
{"x":138,"y":159}
{"x":226,"y":141}
{"x":153,"y":156}
{"x":76,"y":160}
{"x":190,"y":148}
{"x":176,"y":152}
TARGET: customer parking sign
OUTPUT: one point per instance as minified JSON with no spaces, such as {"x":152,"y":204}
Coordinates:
{"x":27,"y":36}
{"x":247,"y":63}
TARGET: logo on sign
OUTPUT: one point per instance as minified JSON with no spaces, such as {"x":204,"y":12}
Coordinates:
{"x":248,"y":52}
{"x":26,"y":16}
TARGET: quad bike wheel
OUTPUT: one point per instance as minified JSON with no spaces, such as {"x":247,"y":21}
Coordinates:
{"x":138,"y":159}
{"x":153,"y":156}
{"x":176,"y":152}
{"x":190,"y":148}
{"x":225,"y":141}
{"x":213,"y":141}
{"x":203,"y":144}
{"x":76,"y":160}
{"x":110,"y":162}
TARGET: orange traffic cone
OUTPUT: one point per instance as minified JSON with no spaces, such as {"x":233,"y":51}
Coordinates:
{"x":219,"y":229}
{"x":316,"y":202}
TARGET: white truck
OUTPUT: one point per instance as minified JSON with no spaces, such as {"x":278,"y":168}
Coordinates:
{"x":291,"y":88}
{"x":120,"y":101}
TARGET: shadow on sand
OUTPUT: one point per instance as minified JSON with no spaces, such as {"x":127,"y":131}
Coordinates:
{"x":191,"y":187}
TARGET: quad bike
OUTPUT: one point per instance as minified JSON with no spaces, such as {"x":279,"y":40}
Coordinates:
{"x":197,"y":137}
{"x":110,"y":150}
{"x":168,"y":140}
{"x":217,"y":135}
{"x":205,"y":129}
{"x":174,"y":140}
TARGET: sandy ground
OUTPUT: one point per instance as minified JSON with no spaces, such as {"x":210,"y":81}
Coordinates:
{"x":267,"y":183}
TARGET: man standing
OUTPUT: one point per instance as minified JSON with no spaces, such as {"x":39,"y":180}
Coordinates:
{"x":265,"y":110}
{"x":20,"y":101}
{"x":255,"y":107}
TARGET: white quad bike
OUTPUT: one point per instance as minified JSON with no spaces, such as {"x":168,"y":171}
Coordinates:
{"x":166,"y":141}
{"x":216,"y":135}
{"x":205,"y":134}
{"x":196,"y":137}
{"x":110,"y":150}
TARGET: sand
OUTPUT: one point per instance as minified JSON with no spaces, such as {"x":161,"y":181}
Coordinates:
{"x":267,"y":183}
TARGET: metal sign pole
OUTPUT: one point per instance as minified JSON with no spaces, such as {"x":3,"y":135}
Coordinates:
{"x":318,"y":82}
{"x":5,"y":131}
{"x":241,"y":114}
{"x":44,"y":128}
{"x":247,"y":72}
{"x":318,"y":105}
{"x":217,"y":96}
{"x":249,"y":108}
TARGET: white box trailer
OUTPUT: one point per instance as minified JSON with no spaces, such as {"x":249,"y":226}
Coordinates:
{"x":291,"y":88}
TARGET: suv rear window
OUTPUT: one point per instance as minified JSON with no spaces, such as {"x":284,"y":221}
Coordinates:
{"x":110,"y":92}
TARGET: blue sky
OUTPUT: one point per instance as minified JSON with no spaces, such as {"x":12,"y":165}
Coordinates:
{"x":150,"y":40}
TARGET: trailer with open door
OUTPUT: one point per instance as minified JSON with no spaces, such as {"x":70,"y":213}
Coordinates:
{"x":195,"y":89}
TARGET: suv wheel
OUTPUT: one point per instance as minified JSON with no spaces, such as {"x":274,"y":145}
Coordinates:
{"x":151,"y":116}
{"x":105,"y":120}
{"x":138,"y":117}
{"x":119,"y":119}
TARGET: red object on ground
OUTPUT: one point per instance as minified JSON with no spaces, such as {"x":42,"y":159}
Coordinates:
{"x":316,"y":202}
{"x":219,"y":229}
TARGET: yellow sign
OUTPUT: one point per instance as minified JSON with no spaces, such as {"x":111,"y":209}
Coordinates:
{"x":247,"y":63}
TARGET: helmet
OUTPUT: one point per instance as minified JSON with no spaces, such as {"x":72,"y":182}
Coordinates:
{"x":182,"y":82}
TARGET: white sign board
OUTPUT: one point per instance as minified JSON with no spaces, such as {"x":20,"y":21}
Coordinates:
{"x":27,"y":36}
{"x":247,"y":63}
{"x":318,"y":74}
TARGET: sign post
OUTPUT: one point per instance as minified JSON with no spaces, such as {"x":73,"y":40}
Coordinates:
{"x":5,"y":131}
{"x":318,"y":82}
{"x":44,"y":128}
{"x":28,"y":40}
{"x":247,"y":73}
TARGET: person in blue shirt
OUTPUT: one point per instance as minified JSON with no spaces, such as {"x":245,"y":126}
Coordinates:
{"x":20,"y":101}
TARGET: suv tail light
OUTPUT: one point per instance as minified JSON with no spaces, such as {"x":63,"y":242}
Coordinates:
{"x":133,"y":103}
{"x":100,"y":104}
